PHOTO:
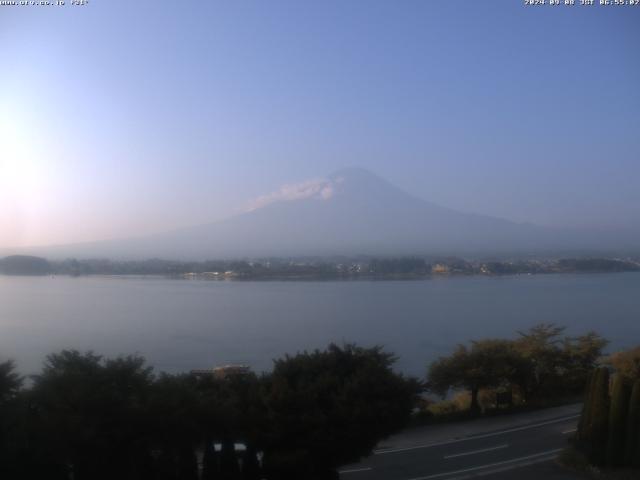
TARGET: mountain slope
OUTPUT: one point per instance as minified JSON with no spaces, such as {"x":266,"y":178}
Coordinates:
{"x":350,"y":212}
{"x":354,"y":212}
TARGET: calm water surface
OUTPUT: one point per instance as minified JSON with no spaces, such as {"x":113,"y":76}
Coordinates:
{"x":181,"y":324}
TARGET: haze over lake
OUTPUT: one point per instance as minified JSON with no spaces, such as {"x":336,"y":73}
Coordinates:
{"x":180,"y":324}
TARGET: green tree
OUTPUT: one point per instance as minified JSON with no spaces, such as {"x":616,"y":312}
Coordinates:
{"x":540,"y":346}
{"x":581,"y":433}
{"x":229,"y":468}
{"x":209,"y":461}
{"x":594,"y":427}
{"x":174,"y":416}
{"x":618,"y":411}
{"x":328,"y":408}
{"x":580,"y":356}
{"x":11,"y":430}
{"x":488,"y":363}
{"x":232,"y":410}
{"x":10,"y":381}
{"x":627,"y":364}
{"x":90,"y":413}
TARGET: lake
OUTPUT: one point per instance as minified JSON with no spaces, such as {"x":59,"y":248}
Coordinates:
{"x":183,"y":324}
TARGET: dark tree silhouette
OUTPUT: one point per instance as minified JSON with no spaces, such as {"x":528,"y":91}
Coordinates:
{"x":10,"y":381}
{"x":331,"y":407}
{"x":209,"y":461}
{"x":91,"y":413}
{"x":488,"y":363}
{"x":541,"y":363}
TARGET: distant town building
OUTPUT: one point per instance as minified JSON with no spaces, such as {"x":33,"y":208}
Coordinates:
{"x":211,"y":274}
{"x":440,"y":268}
{"x":223,"y":371}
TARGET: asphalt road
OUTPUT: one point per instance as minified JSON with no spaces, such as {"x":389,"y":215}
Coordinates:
{"x":514,"y":445}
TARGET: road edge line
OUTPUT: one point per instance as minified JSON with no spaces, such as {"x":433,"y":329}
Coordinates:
{"x":548,"y":455}
{"x":474,"y":437}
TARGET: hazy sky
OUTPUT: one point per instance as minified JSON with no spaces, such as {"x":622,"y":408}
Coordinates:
{"x":121,"y":118}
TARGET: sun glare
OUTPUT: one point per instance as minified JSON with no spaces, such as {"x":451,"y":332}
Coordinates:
{"x":22,"y":181}
{"x":21,"y":167}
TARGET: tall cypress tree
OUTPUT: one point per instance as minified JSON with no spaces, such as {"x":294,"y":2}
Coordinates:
{"x":632,"y":446}
{"x":617,"y":420}
{"x":581,"y":433}
{"x":596,"y":426}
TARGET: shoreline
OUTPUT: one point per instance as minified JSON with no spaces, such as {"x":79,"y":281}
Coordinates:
{"x":312,"y":277}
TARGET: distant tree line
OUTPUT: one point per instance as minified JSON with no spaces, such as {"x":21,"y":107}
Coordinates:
{"x":403,"y":265}
{"x":25,"y":265}
{"x":406,"y":266}
{"x":596,"y":265}
{"x":85,"y":417}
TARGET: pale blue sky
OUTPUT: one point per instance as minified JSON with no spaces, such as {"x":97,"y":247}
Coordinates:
{"x":122,"y":118}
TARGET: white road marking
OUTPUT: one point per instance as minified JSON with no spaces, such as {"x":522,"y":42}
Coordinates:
{"x":355,"y":470}
{"x":475,"y":437}
{"x":456,"y":455}
{"x":490,"y":465}
{"x":570,"y":431}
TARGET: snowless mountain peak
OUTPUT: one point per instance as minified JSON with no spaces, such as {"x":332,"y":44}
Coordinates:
{"x":349,"y":212}
{"x":345,"y":180}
